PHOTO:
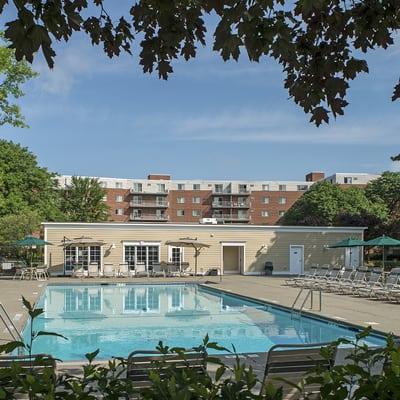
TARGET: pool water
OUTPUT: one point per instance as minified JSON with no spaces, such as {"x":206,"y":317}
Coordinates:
{"x":118,"y":319}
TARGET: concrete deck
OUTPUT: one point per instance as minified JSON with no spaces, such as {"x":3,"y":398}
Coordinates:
{"x":382,"y":316}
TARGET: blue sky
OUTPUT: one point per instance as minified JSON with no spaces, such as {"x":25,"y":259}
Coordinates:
{"x":215,"y":120}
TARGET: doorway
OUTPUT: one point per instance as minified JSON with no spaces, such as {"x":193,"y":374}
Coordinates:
{"x":233,"y":256}
{"x":296,"y":259}
{"x":175,"y":255}
{"x":352,"y":257}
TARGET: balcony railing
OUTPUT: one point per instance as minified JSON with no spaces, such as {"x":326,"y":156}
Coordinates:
{"x":231,"y":193}
{"x":230,"y":204}
{"x":231,"y":217}
{"x":149,"y":204}
{"x":149,"y":217}
{"x":149,"y":192}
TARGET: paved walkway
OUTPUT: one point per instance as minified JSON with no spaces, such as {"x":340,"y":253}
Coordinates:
{"x":380,"y":315}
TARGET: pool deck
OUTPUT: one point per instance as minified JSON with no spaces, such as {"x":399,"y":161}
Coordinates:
{"x":382,"y":316}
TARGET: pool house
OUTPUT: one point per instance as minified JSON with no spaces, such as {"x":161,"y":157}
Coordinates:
{"x":234,"y":249}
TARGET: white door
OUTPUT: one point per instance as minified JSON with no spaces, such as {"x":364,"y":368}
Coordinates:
{"x":352,"y":257}
{"x":296,"y":259}
{"x":175,"y":255}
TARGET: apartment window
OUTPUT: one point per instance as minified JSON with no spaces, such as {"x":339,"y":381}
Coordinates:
{"x":180,"y":200}
{"x":196,"y":200}
{"x":265,"y":200}
{"x":103,"y":184}
{"x":218,"y":188}
{"x":137,"y":214}
{"x":348,"y":180}
{"x":242,"y":188}
{"x":282,"y":200}
{"x":264,"y":213}
{"x":282,"y":188}
{"x":196,"y":186}
{"x":196,"y":213}
{"x":281,"y":213}
{"x":180,"y":213}
{"x":265,"y":187}
{"x":119,"y":211}
{"x":160,"y":201}
{"x":161,"y":214}
{"x":105,"y":197}
{"x":161,"y":187}
{"x":137,"y":200}
{"x":181,"y":186}
{"x":302,"y":187}
{"x":137,"y":187}
{"x":241,"y":201}
{"x":118,"y":185}
{"x":118,"y":198}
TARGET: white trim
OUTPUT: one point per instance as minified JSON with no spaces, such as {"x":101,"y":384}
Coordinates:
{"x":45,"y":246}
{"x":141,"y":243}
{"x":182,"y":250}
{"x":302,"y":261}
{"x":227,"y":227}
{"x":242,"y":266}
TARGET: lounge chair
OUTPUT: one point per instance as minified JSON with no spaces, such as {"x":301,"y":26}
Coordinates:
{"x":174,"y":270}
{"x":93,"y":270}
{"x":365,"y":288}
{"x":37,"y":363}
{"x":321,"y":273}
{"x":108,"y":270}
{"x":186,"y":269}
{"x":344,"y":278}
{"x":140,"y":269}
{"x":22,"y":273}
{"x":290,"y":362}
{"x":78,"y":272}
{"x":157,"y":270}
{"x":307,"y":275}
{"x":357,"y":280}
{"x":141,"y":363}
{"x":390,"y":290}
{"x":40,"y":273}
{"x":123,"y":270}
{"x":324,"y":281}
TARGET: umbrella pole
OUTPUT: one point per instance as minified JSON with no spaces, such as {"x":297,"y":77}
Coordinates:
{"x":383,"y":257}
{"x":195,"y":261}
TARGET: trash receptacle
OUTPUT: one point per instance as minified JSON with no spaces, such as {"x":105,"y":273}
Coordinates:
{"x":269,"y":267}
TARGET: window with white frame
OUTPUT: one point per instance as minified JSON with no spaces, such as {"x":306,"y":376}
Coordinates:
{"x":143,"y":253}
{"x":118,"y":198}
{"x":282,"y":200}
{"x":265,"y":200}
{"x":137,"y":200}
{"x":180,"y":213}
{"x":242,"y":188}
{"x":265,"y":187}
{"x":264,"y":213}
{"x":196,"y":186}
{"x":119,"y":211}
{"x":180,"y":200}
{"x":196,"y":200}
{"x":282,"y":188}
{"x":103,"y":184}
{"x":181,"y":186}
{"x":137,"y":187}
{"x":118,"y":185}
{"x":348,"y":180}
{"x":161,"y":188}
{"x":218,"y":188}
{"x":302,"y":188}
{"x":196,"y":213}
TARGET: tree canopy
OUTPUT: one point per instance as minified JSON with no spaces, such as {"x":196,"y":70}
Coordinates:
{"x":82,"y":201}
{"x":317,"y":42}
{"x":13,"y":74}
{"x":328,"y":204}
{"x":24,"y":185}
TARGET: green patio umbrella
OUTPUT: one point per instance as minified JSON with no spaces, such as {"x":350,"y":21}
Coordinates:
{"x":383,"y":241}
{"x":350,"y":242}
{"x":30,"y":242}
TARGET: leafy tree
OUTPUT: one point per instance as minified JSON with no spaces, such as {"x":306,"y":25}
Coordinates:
{"x":17,"y":226}
{"x":13,"y":74}
{"x":329,"y":204}
{"x":396,"y":158}
{"x":386,"y":189}
{"x":24,"y":185}
{"x":314,"y":41}
{"x":83,"y":201}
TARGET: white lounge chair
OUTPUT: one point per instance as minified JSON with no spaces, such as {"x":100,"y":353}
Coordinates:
{"x":108,"y":270}
{"x":123,"y":270}
{"x":157,"y":270}
{"x":93,"y":270}
{"x":140,"y":269}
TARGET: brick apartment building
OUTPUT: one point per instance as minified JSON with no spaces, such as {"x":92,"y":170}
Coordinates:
{"x":161,"y":199}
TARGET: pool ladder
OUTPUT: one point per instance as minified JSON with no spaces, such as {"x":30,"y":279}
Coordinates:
{"x":9,"y":325}
{"x":309,"y":295}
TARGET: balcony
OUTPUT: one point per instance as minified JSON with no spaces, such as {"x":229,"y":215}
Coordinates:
{"x":148,"y":217}
{"x":230,"y":204}
{"x":150,"y":192}
{"x":231,"y":217}
{"x":230,"y":193}
{"x":148,"y":204}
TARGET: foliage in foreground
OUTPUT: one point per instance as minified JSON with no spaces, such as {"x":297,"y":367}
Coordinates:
{"x":360,"y":379}
{"x":319,"y":44}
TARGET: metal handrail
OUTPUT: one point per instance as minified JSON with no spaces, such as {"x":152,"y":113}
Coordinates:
{"x":310,"y":294}
{"x":7,"y":321}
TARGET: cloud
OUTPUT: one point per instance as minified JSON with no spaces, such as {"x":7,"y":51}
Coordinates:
{"x":270,"y":126}
{"x":74,"y":63}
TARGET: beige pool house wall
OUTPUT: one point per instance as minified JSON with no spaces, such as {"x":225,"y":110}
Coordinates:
{"x":261,"y":243}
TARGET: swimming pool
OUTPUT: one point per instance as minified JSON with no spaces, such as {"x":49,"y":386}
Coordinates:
{"x":121,"y":318}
